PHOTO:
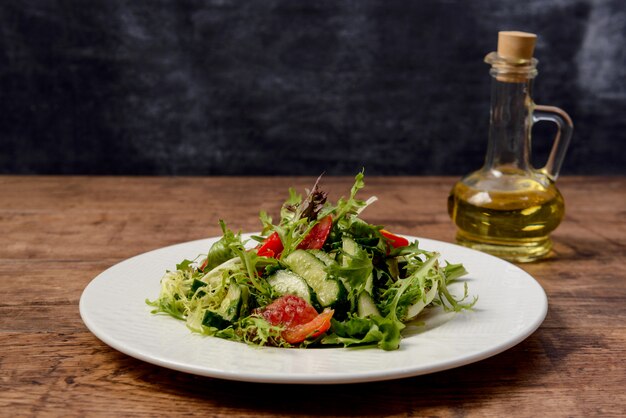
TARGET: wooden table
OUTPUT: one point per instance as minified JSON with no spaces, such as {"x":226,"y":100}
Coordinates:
{"x":57,"y":233}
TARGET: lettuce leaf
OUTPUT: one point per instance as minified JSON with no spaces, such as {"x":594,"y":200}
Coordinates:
{"x":354,"y":271}
{"x":374,"y":330}
{"x":221,"y":251}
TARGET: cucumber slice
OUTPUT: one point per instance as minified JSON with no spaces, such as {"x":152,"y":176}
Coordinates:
{"x":418,"y":306}
{"x":244,"y":307}
{"x":366,"y":306}
{"x":324,"y":257}
{"x":214,"y":277}
{"x":351,"y":248}
{"x":285,"y":282}
{"x":197,"y":284}
{"x":214,"y":320}
{"x":228,"y":310}
{"x":329,"y":292}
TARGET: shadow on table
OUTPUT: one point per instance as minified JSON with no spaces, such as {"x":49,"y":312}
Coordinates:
{"x":458,"y":389}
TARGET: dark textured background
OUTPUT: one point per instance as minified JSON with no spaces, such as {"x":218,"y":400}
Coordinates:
{"x":294,"y":87}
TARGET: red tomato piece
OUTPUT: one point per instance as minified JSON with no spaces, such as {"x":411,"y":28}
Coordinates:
{"x":288,"y":310}
{"x":314,"y":328}
{"x":301,"y":320}
{"x":272,"y":247}
{"x":394,"y":240}
{"x":316,"y":237}
{"x":204,"y":264}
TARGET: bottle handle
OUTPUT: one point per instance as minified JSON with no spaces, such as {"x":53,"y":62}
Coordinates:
{"x":561,"y":140}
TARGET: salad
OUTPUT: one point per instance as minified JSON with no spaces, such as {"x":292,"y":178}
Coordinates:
{"x":320,"y":276}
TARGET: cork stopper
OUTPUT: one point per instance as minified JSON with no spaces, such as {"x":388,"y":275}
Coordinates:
{"x":516,"y":46}
{"x":513,"y":62}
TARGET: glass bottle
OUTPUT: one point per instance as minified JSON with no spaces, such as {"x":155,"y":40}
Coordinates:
{"x":508,"y":207}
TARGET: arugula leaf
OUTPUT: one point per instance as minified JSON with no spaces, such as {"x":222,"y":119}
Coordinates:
{"x":450,"y":303}
{"x":404,"y":292}
{"x":292,"y":233}
{"x":453,"y":272}
{"x":350,"y":206}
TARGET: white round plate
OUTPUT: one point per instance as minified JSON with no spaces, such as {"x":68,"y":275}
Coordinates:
{"x":511,"y":306}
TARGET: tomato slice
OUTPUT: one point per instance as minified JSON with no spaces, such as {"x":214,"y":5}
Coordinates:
{"x":272,"y":247}
{"x":288,"y":310}
{"x":314,"y":328}
{"x":394,"y":240}
{"x":299,"y":318}
{"x":204,"y":264}
{"x":316,"y":237}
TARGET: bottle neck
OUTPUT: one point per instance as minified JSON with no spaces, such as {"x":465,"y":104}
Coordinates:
{"x":510,"y":124}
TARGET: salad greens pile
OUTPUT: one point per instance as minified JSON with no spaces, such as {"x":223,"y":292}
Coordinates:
{"x":320,"y":276}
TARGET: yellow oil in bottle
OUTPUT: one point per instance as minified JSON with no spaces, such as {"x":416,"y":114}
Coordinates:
{"x":512,"y":220}
{"x":508,"y":208}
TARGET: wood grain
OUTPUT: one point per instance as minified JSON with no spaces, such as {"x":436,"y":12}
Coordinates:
{"x":57,"y":233}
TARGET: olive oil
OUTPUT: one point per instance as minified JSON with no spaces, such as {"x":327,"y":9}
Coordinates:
{"x":508,"y":207}
{"x":514,"y":224}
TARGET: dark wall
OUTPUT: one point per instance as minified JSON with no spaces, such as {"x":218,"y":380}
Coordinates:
{"x":294,"y":87}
